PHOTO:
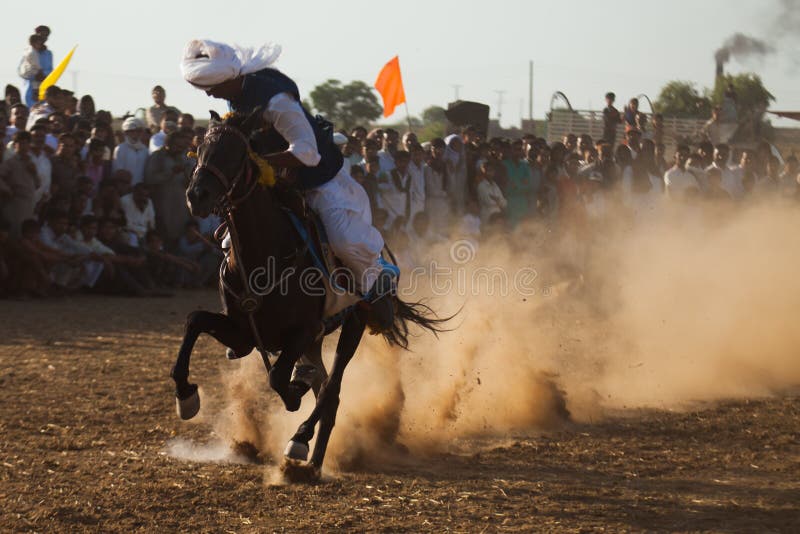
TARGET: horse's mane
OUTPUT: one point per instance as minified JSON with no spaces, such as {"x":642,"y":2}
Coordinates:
{"x":234,"y":118}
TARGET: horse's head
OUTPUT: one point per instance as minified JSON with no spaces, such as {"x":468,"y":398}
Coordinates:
{"x":224,"y":167}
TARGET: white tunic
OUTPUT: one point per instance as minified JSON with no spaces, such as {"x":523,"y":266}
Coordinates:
{"x":132,"y":158}
{"x":677,"y":181}
{"x":341,"y":203}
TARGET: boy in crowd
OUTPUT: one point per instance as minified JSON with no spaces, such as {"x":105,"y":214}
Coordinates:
{"x":139,"y":213}
{"x":195,"y":248}
{"x":168,"y":270}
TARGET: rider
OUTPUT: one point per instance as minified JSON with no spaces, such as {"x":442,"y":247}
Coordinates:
{"x":246,"y":78}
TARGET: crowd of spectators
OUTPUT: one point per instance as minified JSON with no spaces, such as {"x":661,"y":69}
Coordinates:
{"x":467,"y":186}
{"x":85,"y":207}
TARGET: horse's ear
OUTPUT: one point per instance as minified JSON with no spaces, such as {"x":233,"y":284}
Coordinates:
{"x":215,"y":118}
{"x":253,"y":121}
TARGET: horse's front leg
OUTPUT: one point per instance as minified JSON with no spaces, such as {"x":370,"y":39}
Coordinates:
{"x":224,"y":330}
{"x":327,"y":405}
{"x":290,"y":391}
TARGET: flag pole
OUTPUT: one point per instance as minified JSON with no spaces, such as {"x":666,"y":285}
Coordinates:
{"x":408,"y":117}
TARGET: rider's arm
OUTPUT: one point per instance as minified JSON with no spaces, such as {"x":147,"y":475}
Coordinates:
{"x":288,"y":118}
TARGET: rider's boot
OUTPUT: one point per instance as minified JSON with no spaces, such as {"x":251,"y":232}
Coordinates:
{"x":381,"y":298}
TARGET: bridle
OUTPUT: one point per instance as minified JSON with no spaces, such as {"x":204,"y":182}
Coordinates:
{"x":228,"y":201}
{"x":248,"y":301}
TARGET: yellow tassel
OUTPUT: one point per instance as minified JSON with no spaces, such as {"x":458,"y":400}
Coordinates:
{"x":191,"y":154}
{"x":266,"y":174}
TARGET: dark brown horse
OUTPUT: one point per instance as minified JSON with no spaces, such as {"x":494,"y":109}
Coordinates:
{"x":285,"y":317}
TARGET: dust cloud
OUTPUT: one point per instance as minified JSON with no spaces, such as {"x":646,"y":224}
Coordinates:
{"x":678,"y":307}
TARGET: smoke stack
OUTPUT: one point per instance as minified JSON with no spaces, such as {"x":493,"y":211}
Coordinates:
{"x":741,"y":47}
{"x":720,"y":69}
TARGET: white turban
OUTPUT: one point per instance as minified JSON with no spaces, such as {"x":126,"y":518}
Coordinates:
{"x":132,"y":123}
{"x":208,"y":63}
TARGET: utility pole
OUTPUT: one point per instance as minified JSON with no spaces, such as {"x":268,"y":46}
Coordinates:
{"x":530,"y":90}
{"x":456,"y":87}
{"x":499,"y":105}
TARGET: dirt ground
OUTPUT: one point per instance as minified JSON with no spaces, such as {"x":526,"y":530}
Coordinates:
{"x":87,"y":411}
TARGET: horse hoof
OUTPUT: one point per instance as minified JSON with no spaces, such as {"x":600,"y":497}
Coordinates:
{"x":300,"y":472}
{"x":189,"y":406}
{"x":296,"y":450}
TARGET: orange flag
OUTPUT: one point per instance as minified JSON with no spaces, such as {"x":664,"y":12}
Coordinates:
{"x":390,"y":85}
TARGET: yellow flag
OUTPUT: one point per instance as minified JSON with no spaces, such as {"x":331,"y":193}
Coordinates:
{"x":53,"y":77}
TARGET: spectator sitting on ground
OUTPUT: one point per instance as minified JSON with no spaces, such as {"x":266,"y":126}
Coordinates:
{"x":168,"y":270}
{"x":139,"y":212}
{"x":194,"y":247}
{"x":55,"y":235}
{"x":107,"y":205}
{"x":125,"y":272}
{"x":39,"y":266}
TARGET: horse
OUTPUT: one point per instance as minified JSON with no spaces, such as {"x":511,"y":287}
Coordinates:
{"x":289,"y":322}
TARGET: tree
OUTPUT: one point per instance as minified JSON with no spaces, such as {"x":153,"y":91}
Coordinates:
{"x":346,"y":105}
{"x":681,"y":99}
{"x":752,"y":98}
{"x":433,"y":114}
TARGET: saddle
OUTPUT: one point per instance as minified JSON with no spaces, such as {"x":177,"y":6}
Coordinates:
{"x":340,"y":287}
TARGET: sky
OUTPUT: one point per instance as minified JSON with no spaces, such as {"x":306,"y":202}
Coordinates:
{"x":581,"y":48}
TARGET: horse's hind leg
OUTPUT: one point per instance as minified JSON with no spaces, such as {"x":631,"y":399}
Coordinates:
{"x":328,"y":399}
{"x":309,"y":371}
{"x":224,"y":330}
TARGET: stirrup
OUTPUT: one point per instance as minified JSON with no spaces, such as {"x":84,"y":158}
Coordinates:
{"x":386,"y":283}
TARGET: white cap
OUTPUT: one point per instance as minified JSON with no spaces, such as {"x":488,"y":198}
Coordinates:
{"x":132,"y":123}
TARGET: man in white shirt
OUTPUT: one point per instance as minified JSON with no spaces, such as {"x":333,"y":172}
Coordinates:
{"x":394,"y":192}
{"x":16,"y":122}
{"x":44,"y":168}
{"x":490,"y":198}
{"x":678,"y":180}
{"x":53,"y":101}
{"x":746,"y":174}
{"x":387,"y":153}
{"x":131,"y":154}
{"x":139,"y":213}
{"x":731,"y":180}
{"x":417,"y":188}
{"x":168,"y":124}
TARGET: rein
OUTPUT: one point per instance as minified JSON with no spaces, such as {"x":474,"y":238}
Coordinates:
{"x":228,"y":202}
{"x":248,"y":301}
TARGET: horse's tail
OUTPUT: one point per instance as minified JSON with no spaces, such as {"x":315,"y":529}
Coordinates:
{"x":418,"y":313}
